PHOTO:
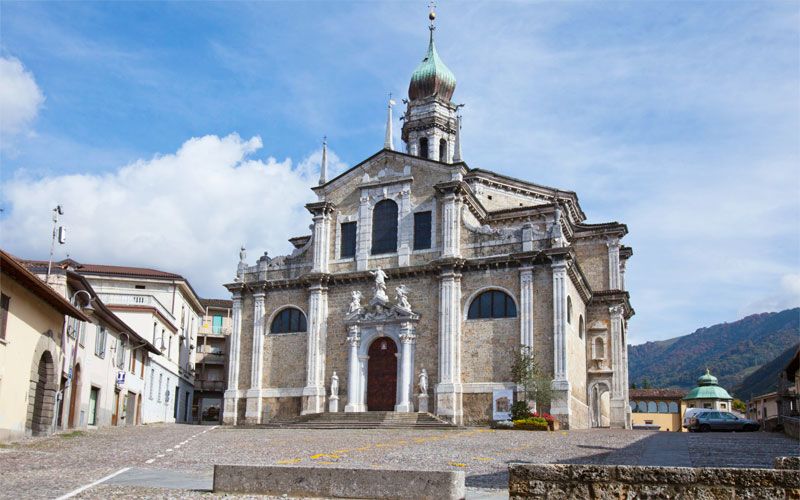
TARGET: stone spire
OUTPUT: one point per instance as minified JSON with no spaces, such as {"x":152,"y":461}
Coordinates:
{"x":323,"y":168}
{"x":388,"y":141}
{"x":457,"y":142}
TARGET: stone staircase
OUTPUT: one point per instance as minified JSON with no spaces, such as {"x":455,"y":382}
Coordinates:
{"x":361,"y":420}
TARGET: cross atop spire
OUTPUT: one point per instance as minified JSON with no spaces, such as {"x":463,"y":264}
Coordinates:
{"x":432,"y":15}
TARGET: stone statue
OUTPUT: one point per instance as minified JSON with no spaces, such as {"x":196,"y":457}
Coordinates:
{"x":402,"y":297}
{"x":556,"y":233}
{"x":334,"y":385}
{"x":242,"y":264}
{"x":242,"y":254}
{"x":423,"y":382}
{"x":355,"y":302}
{"x":380,"y":284}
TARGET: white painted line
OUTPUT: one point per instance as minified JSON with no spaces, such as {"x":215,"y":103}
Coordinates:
{"x":150,"y":461}
{"x":169,"y":450}
{"x":86,"y":487}
{"x":161,"y":455}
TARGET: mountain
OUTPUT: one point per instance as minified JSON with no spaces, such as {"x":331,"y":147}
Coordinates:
{"x":731,"y":350}
{"x":765,"y":379}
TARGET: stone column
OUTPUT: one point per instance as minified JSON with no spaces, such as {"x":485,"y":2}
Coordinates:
{"x":314,"y":392}
{"x":353,"y":373}
{"x":230,"y":411}
{"x":526,"y":307}
{"x":254,"y":401}
{"x":322,"y":229}
{"x":618,"y":401}
{"x":451,"y":225}
{"x":407,"y":342}
{"x":622,"y":274}
{"x":560,"y":403}
{"x":614,"y":281}
{"x":363,"y":233}
{"x":405,"y":228}
{"x":449,"y":390}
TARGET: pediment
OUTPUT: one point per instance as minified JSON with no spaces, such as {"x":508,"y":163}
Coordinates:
{"x":380,"y":311}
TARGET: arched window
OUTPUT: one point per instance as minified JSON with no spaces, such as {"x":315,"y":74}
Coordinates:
{"x":652,"y":407}
{"x":423,"y":147}
{"x":598,"y":348}
{"x":569,"y":310}
{"x":642,"y":407}
{"x":673,"y":407}
{"x":492,"y":304}
{"x":633,"y":406}
{"x":442,"y":150}
{"x":581,"y":327}
{"x":663,"y":407}
{"x":384,"y":227}
{"x":290,"y":320}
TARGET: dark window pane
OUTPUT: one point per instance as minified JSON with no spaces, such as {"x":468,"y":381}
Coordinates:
{"x":384,"y":227}
{"x":486,"y":305}
{"x":348,"y":240}
{"x":422,"y":230}
{"x":303,"y":326}
{"x":294,"y":320}
{"x":442,"y":150}
{"x":511,"y":308}
{"x":498,"y":304}
{"x":423,"y":147}
{"x":288,"y":321}
{"x":474,"y":312}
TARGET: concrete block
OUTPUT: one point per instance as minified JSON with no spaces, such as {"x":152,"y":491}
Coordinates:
{"x":338,"y":482}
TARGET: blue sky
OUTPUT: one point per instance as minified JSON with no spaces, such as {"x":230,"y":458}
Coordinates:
{"x":173,"y":132}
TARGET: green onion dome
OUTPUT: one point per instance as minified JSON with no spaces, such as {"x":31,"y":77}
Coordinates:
{"x":432,"y":77}
{"x":707,"y":388}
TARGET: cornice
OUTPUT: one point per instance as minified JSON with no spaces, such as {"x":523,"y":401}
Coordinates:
{"x":614,"y":298}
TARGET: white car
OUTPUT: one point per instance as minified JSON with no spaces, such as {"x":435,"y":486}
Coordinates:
{"x":691,"y":412}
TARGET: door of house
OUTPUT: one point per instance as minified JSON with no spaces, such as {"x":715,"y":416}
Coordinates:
{"x":94,"y":395}
{"x":382,"y":375}
{"x":115,"y":415}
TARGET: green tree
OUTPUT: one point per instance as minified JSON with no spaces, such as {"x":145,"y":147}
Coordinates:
{"x":645,"y":383}
{"x":531,"y":378}
{"x":633,"y":385}
{"x":739,"y":406}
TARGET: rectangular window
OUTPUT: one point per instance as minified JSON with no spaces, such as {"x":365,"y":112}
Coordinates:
{"x":160,"y":379}
{"x":133,"y":363}
{"x":422,"y":230}
{"x":5,"y":302}
{"x":100,"y":341}
{"x":120,"y":354}
{"x":348,"y":240}
{"x":94,"y":395}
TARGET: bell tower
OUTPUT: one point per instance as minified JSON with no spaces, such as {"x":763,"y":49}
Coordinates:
{"x":430,"y":123}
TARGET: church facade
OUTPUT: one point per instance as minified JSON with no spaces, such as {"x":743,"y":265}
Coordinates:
{"x":421,"y":280}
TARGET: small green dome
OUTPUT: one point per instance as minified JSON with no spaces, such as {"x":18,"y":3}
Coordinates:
{"x":432,"y":77}
{"x":707,"y":379}
{"x":707,"y":388}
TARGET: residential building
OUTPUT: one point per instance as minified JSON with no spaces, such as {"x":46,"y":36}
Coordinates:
{"x":32,"y":340}
{"x":419,"y":267}
{"x":211,"y":362}
{"x":764,"y":409}
{"x":162,"y":308}
{"x":708,"y":394}
{"x":661,"y":407}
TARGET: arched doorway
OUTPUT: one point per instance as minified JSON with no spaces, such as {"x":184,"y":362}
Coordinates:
{"x":599,"y":404}
{"x":43,"y":396}
{"x":74,"y":400}
{"x":382,"y":375}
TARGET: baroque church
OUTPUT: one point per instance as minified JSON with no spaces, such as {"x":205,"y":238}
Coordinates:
{"x":422,"y":279}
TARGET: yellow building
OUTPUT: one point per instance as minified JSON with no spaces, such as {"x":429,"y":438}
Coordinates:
{"x":31,"y":338}
{"x":661,"y":407}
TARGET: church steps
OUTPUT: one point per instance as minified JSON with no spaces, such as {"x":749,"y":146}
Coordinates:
{"x":362,"y":420}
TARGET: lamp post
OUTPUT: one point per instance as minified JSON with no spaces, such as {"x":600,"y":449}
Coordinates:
{"x":88,"y":309}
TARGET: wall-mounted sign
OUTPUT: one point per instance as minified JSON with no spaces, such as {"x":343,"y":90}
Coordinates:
{"x":501,"y":404}
{"x":121,"y":378}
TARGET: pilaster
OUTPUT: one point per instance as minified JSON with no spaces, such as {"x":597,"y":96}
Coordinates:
{"x":405,"y":228}
{"x":614,"y":279}
{"x":322,"y":229}
{"x":449,"y":403}
{"x":407,"y":344}
{"x":364,"y":234}
{"x":618,"y":402}
{"x":354,"y":401}
{"x":254,"y":400}
{"x":526,"y":307}
{"x":230,"y":410}
{"x":561,"y":386}
{"x":314,"y":392}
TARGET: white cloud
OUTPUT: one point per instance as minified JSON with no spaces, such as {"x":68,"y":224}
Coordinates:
{"x":186,"y":212}
{"x":20,"y":98}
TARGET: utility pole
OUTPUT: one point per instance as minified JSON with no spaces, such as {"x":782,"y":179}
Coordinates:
{"x":58,"y":232}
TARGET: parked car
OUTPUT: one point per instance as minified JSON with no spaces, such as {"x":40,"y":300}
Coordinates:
{"x":691,"y":412}
{"x":713,"y":420}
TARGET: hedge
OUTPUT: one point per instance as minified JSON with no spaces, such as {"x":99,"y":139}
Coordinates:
{"x":531,"y":424}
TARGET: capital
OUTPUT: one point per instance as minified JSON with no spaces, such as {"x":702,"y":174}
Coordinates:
{"x":407,"y":338}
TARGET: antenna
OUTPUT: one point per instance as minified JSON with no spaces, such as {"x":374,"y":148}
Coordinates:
{"x":60,"y":233}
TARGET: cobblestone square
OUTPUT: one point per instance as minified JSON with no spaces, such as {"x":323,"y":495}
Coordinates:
{"x":176,"y":461}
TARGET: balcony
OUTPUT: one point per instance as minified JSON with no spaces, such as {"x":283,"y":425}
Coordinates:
{"x":207,"y":329}
{"x":209,"y":354}
{"x":209,"y":385}
{"x":130,"y":299}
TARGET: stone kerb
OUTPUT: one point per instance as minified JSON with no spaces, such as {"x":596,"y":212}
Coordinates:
{"x":562,"y":481}
{"x":338,"y":482}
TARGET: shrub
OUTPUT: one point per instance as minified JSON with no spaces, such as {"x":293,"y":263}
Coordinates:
{"x":503,"y":424}
{"x":520,"y":411}
{"x":532,"y":424}
{"x":549,"y":418}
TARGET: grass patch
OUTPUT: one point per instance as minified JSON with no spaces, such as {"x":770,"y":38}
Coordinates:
{"x":73,"y":434}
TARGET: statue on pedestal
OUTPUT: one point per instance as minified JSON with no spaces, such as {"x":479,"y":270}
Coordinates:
{"x":334,"y":385}
{"x":402,"y":297}
{"x":380,"y":284}
{"x":423,"y":382}
{"x":355,"y":302}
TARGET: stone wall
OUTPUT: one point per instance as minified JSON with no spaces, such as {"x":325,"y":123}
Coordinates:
{"x":593,"y":257}
{"x":562,"y":481}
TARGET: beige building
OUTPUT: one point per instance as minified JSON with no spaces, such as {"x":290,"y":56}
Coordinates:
{"x":32,"y":336}
{"x":418,"y":261}
{"x":661,"y":407}
{"x":212,"y":360}
{"x":764,"y":408}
